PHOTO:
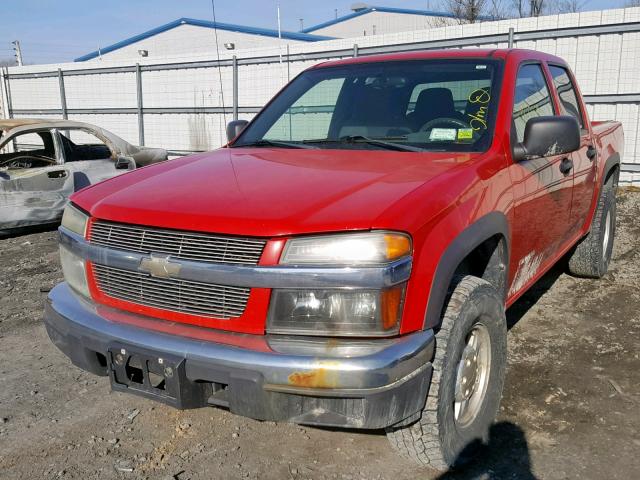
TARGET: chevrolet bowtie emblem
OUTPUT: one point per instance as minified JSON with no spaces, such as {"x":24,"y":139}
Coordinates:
{"x":159,"y":266}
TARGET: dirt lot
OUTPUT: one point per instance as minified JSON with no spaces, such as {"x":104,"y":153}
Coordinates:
{"x":571,"y":408}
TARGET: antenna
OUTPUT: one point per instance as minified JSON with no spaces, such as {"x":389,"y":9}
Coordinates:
{"x":215,"y":31}
{"x":279,"y":29}
{"x":279,"y":33}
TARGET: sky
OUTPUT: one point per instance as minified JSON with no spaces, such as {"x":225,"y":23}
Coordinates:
{"x":57,"y":31}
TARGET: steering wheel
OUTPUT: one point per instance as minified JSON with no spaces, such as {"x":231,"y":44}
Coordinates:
{"x":444,"y":121}
{"x":28,"y":158}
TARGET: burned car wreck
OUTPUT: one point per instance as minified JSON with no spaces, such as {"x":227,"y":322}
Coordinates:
{"x":42,"y":162}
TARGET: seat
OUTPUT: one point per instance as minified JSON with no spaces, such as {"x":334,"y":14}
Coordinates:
{"x":433,"y":103}
{"x":374,"y":112}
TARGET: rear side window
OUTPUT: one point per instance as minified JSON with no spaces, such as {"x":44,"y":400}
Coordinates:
{"x":566,"y":92}
{"x":532,"y":98}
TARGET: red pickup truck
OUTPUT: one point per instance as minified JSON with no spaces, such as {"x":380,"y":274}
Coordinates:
{"x":347,"y":259}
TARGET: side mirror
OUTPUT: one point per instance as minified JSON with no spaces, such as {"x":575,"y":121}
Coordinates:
{"x":125,"y":163}
{"x":234,"y":128}
{"x":548,"y":136}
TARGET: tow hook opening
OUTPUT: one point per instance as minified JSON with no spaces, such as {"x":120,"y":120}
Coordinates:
{"x":133,"y":370}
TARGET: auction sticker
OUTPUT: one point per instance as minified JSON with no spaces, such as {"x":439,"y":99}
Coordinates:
{"x":443,"y":134}
{"x":465,"y":134}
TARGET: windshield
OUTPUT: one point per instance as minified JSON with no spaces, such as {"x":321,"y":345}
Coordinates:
{"x":434,"y":105}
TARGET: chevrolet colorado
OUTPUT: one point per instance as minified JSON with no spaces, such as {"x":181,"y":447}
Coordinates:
{"x":347,"y":258}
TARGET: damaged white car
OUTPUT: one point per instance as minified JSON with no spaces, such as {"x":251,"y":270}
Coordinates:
{"x":42,"y":162}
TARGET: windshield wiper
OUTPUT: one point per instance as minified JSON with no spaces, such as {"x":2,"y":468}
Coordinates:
{"x":272,"y":143}
{"x":381,"y":142}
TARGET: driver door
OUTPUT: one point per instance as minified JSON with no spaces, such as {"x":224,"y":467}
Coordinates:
{"x":87,"y":156}
{"x":34,"y":187}
{"x":542,"y":186}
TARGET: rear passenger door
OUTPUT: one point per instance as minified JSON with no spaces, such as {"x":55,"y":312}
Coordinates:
{"x":542,"y":190}
{"x":584,"y":160}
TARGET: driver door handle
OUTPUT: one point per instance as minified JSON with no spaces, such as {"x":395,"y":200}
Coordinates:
{"x":566,"y":165}
{"x":57,"y":174}
{"x":591,"y":152}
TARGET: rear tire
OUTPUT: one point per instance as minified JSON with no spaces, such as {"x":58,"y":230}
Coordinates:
{"x":592,"y":255}
{"x":451,"y":428}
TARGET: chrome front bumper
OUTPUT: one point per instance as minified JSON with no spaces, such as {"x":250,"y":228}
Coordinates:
{"x":349,"y":383}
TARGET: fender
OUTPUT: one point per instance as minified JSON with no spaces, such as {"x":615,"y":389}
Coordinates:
{"x":612,"y":162}
{"x":468,"y":240}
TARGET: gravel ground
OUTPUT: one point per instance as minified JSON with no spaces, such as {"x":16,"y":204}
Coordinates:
{"x":570,"y":409}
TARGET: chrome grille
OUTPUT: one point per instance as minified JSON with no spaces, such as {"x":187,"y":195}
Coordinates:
{"x":195,"y":298}
{"x":201,"y":247}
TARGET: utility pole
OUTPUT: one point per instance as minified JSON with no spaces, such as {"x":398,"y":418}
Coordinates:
{"x":16,"y":47}
{"x":301,"y":24}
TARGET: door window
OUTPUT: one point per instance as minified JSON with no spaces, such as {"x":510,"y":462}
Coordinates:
{"x":29,"y":150}
{"x":82,"y":145}
{"x":532,"y":98}
{"x":566,"y":92}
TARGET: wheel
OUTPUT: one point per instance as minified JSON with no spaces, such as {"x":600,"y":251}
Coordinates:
{"x":592,"y":255}
{"x":466,"y":386}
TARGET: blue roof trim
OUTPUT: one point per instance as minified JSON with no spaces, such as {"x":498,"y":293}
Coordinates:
{"x":267,"y":32}
{"x":407,"y":11}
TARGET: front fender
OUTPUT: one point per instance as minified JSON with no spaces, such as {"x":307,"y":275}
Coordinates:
{"x":486,"y":227}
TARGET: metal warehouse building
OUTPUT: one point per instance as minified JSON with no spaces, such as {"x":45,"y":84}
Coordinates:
{"x":188,"y":36}
{"x":192,"y":37}
{"x":369,"y":20}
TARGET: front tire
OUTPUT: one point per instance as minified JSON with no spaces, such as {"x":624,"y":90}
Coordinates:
{"x":592,"y":255}
{"x":467,"y":381}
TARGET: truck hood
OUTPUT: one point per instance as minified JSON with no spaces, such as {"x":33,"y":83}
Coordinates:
{"x":267,"y":192}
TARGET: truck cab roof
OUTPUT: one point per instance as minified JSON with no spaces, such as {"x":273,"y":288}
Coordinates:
{"x":497,"y":53}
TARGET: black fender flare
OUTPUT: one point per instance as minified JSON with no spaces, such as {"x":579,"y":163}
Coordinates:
{"x":612,"y":162}
{"x":494,"y":223}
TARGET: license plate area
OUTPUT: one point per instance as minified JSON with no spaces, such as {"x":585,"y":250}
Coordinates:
{"x":156,"y":376}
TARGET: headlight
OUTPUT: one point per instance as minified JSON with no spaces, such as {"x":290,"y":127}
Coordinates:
{"x":340,"y":312}
{"x":74,"y":220}
{"x":369,"y":248}
{"x":336,"y":312}
{"x":73,"y":267}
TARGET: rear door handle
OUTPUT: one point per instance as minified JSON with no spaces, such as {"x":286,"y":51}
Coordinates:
{"x":591,"y":152}
{"x":57,"y":174}
{"x":566,"y":165}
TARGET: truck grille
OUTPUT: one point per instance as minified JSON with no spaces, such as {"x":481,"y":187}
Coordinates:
{"x":195,"y":298}
{"x":201,"y":247}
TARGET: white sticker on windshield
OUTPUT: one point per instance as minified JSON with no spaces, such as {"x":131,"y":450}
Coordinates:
{"x":443,"y":134}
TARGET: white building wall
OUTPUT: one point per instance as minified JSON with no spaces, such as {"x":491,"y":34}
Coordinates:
{"x":188,"y":40}
{"x":604,"y":64}
{"x":379,"y":23}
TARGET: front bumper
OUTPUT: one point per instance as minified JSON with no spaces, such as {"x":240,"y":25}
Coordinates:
{"x":316,"y":381}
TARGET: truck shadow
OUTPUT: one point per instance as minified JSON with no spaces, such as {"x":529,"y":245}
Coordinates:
{"x":531,"y":297}
{"x":506,"y":455}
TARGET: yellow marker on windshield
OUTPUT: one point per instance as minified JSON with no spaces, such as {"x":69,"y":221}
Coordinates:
{"x":465,"y":134}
